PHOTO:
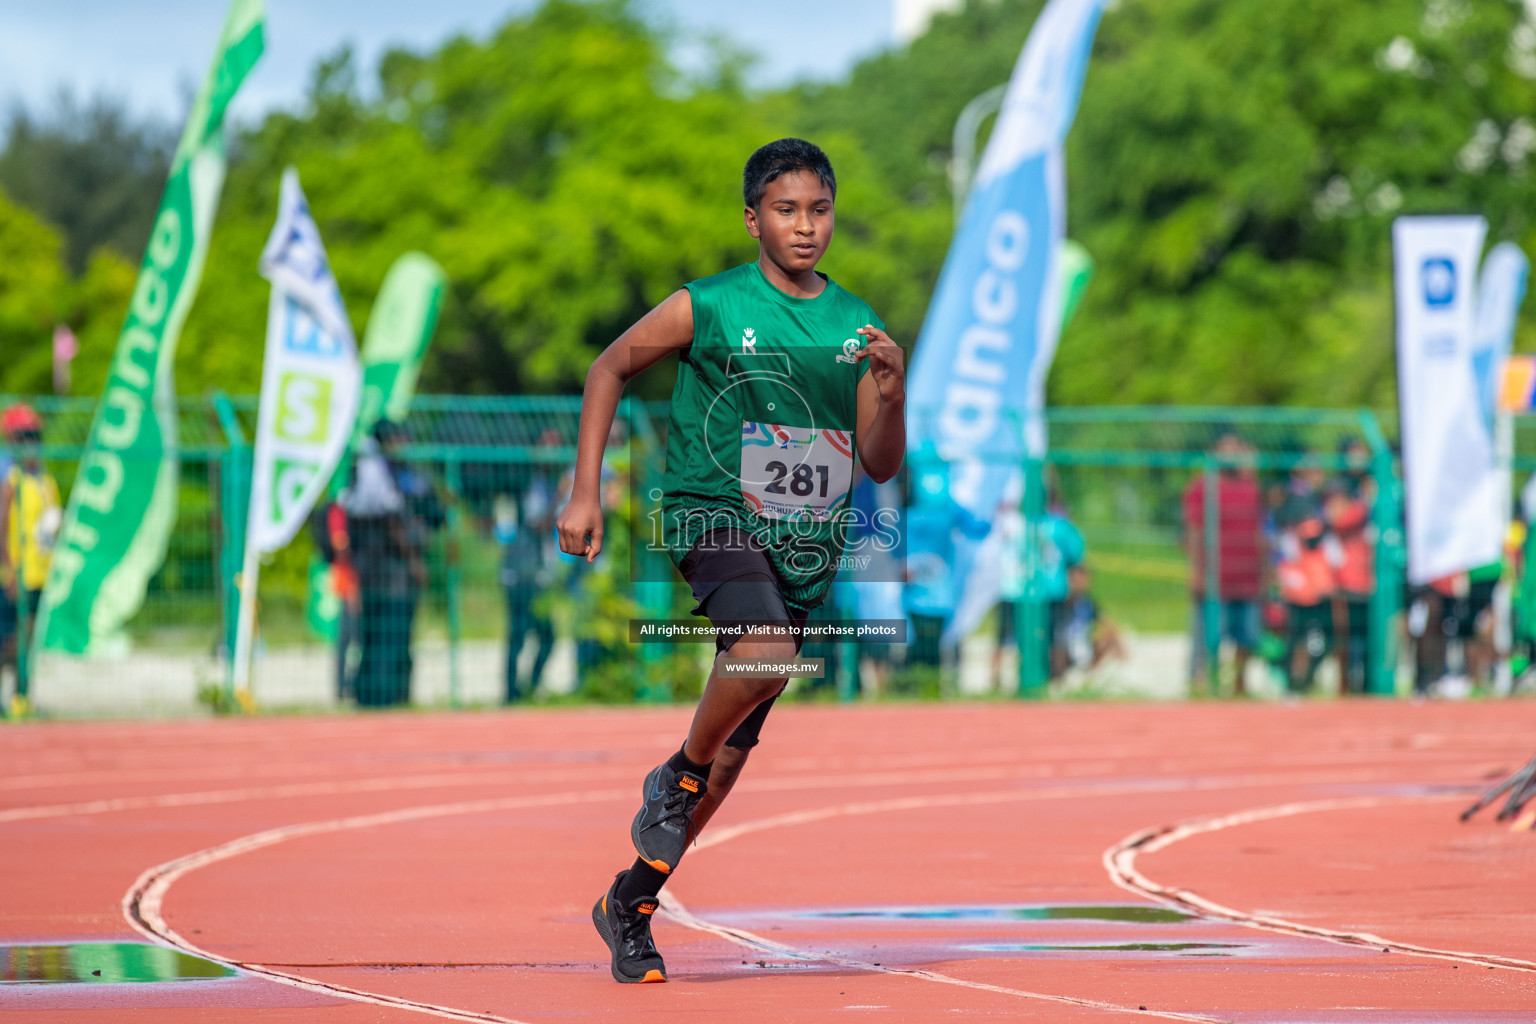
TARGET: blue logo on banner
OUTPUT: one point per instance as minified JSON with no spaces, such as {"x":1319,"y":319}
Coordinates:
{"x":304,"y":334}
{"x":1438,"y":276}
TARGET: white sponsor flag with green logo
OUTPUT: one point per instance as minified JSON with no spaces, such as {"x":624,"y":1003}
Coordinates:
{"x":399,"y":331}
{"x":310,"y":381}
{"x":311,"y":384}
{"x":122,"y":506}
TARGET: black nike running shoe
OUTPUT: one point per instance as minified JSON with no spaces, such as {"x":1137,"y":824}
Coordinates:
{"x":660,"y":830}
{"x":627,"y":930}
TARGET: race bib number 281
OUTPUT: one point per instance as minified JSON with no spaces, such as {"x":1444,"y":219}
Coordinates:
{"x":795,"y":472}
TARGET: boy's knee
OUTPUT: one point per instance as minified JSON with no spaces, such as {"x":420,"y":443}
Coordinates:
{"x":773,"y":648}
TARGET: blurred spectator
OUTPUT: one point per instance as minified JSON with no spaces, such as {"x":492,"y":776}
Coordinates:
{"x":1425,"y":626}
{"x":1240,"y":568}
{"x":1520,"y":552}
{"x":1010,"y":525}
{"x":933,"y":521}
{"x":334,"y":542}
{"x":1473,"y":616}
{"x":1350,"y":546}
{"x":526,"y":573}
{"x":390,"y":509}
{"x":1304,"y":494}
{"x":875,"y":591}
{"x":1356,"y":480}
{"x":1306,"y":586}
{"x":1081,"y":638}
{"x":1061,"y":548}
{"x":30,"y":517}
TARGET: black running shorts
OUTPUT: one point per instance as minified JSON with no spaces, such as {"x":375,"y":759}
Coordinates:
{"x":732,"y":583}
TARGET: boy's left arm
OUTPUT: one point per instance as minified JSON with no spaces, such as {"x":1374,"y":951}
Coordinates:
{"x":882,"y":402}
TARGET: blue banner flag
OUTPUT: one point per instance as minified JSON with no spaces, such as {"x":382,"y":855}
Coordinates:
{"x":1500,"y":290}
{"x":977,"y":385}
{"x":976,"y":389}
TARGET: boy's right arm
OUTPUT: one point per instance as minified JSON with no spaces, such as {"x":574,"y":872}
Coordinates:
{"x":666,"y":329}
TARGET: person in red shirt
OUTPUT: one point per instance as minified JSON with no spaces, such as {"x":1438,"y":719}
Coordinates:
{"x":1307,"y":587}
{"x":344,"y":583}
{"x":1240,"y":561}
{"x":1350,"y":546}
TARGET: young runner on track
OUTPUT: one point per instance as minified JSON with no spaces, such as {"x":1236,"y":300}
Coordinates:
{"x":784,"y":378}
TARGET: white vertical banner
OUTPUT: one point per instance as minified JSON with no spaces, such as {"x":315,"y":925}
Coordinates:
{"x":1451,"y":478}
{"x":311,"y":385}
{"x":311,"y":379}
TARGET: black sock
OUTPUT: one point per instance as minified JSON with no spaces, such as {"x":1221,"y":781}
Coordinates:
{"x":639,"y":880}
{"x":679,"y":762}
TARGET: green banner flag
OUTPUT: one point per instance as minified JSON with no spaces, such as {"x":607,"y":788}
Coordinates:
{"x":123,"y":504}
{"x":1074,"y":269}
{"x":399,"y":330}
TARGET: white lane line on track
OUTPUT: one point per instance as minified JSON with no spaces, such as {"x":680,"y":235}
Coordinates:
{"x":1120,"y":861}
{"x":143,"y":903}
{"x":442,"y":780}
{"x":283,"y":791}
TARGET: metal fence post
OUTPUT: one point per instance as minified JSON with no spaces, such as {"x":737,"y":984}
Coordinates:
{"x":234,"y":506}
{"x":1386,"y":516}
{"x":653,"y":591}
{"x":453,"y":476}
{"x":1212,"y":606}
{"x":1030,"y":621}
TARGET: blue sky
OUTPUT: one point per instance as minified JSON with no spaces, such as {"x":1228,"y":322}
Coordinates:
{"x":150,"y":54}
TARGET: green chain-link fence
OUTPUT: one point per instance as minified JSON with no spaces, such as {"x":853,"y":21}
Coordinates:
{"x":1121,"y":475}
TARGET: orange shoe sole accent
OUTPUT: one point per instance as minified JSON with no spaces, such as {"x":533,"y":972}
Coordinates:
{"x":653,"y":976}
{"x":660,"y":865}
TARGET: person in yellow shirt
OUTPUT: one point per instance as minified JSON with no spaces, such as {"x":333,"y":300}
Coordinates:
{"x":30,"y":516}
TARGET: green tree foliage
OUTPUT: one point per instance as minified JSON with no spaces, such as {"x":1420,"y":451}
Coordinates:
{"x":560,"y":171}
{"x":32,"y":278}
{"x":1234,"y":170}
{"x":91,"y":170}
{"x":37,"y":292}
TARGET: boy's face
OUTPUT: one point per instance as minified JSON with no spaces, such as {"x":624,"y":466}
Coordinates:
{"x":793,"y":222}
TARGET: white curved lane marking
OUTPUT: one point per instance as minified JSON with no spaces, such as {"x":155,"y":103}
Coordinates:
{"x":143,"y":904}
{"x":144,"y":900}
{"x":1120,"y":862}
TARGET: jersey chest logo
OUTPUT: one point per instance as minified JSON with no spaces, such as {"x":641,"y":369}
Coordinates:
{"x":849,"y":354}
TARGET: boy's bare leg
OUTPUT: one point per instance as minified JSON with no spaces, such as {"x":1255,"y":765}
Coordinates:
{"x":722,"y":776}
{"x":728,"y":700}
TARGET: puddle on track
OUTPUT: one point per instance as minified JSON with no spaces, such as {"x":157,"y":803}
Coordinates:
{"x":1123,"y":947}
{"x":1124,"y":914}
{"x":104,"y":963}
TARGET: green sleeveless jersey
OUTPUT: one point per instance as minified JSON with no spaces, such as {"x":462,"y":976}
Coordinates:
{"x":761,"y":434}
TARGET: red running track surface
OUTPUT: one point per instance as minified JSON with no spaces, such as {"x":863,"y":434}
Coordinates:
{"x":905,"y":862}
